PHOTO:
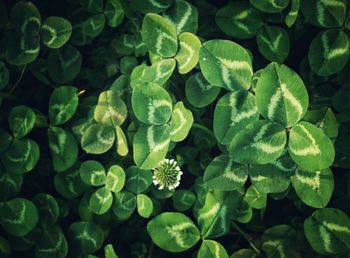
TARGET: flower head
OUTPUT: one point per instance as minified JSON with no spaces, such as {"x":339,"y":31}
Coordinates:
{"x":167,"y":174}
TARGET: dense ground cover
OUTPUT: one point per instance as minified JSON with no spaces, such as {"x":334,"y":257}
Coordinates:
{"x":173,"y":128}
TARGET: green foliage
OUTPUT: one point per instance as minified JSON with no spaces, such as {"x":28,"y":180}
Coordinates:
{"x":173,"y":232}
{"x":18,"y":216}
{"x":226,"y":64}
{"x":174,"y":128}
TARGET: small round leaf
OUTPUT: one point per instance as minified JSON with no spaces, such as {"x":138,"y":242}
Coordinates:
{"x":173,"y":232}
{"x":18,"y":216}
{"x":309,"y":147}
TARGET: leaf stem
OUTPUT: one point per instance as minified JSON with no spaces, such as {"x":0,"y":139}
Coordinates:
{"x":246,"y":237}
{"x":202,"y":127}
{"x":150,"y":250}
{"x":19,"y":79}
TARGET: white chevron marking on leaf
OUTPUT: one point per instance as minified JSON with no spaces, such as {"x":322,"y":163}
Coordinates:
{"x":152,"y":145}
{"x":210,"y":213}
{"x":335,"y":52}
{"x":235,"y":65}
{"x":22,"y":156}
{"x":102,"y":138}
{"x":242,"y":15}
{"x":153,"y":105}
{"x":189,"y":56}
{"x":326,"y":238}
{"x":53,"y":249}
{"x":313,"y":182}
{"x":292,"y":99}
{"x":260,"y":134}
{"x":320,"y":8}
{"x":217,"y":250}
{"x":161,"y":36}
{"x":278,"y":245}
{"x":87,"y":236}
{"x":159,"y":74}
{"x":52,"y":32}
{"x":61,"y":141}
{"x":311,"y":149}
{"x":20,"y":218}
{"x":156,"y":4}
{"x":244,"y":115}
{"x":204,"y":85}
{"x":274,"y":4}
{"x":273,"y":104}
{"x":175,"y":232}
{"x":267,"y":147}
{"x":273,"y":45}
{"x":231,"y":175}
{"x":182,"y":120}
{"x":258,"y":178}
{"x":335,"y":227}
{"x":96,"y":175}
{"x":184,"y":18}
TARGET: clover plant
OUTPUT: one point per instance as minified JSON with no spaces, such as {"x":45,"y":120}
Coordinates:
{"x":174,"y":128}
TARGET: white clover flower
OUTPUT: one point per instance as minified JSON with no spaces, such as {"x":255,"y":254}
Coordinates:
{"x":167,"y":174}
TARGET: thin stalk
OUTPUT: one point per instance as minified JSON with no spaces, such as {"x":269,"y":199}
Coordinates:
{"x":19,"y":79}
{"x":246,"y":237}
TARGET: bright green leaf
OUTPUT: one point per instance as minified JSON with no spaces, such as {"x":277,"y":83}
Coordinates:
{"x":63,"y":148}
{"x":329,"y":52}
{"x":181,"y":122}
{"x":183,"y":15}
{"x":199,"y":92}
{"x":233,"y":112}
{"x":328,"y":231}
{"x":281,"y":95}
{"x":188,"y":55}
{"x":159,"y":72}
{"x":62,"y":104}
{"x":260,"y":142}
{"x":173,"y":232}
{"x":159,"y":35}
{"x":223,"y":174}
{"x":144,"y":205}
{"x":124,"y":204}
{"x":55,"y":31}
{"x":115,"y":179}
{"x":212,"y":249}
{"x":138,"y":180}
{"x":309,"y":147}
{"x":151,"y":104}
{"x":92,"y":173}
{"x":97,"y":139}
{"x":122,"y":143}
{"x":226,"y":64}
{"x":111,"y":109}
{"x":314,"y":188}
{"x":21,"y":120}
{"x":151,"y":145}
{"x":101,"y":200}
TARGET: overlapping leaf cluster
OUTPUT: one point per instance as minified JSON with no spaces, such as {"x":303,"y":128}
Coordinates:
{"x":252,"y":99}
